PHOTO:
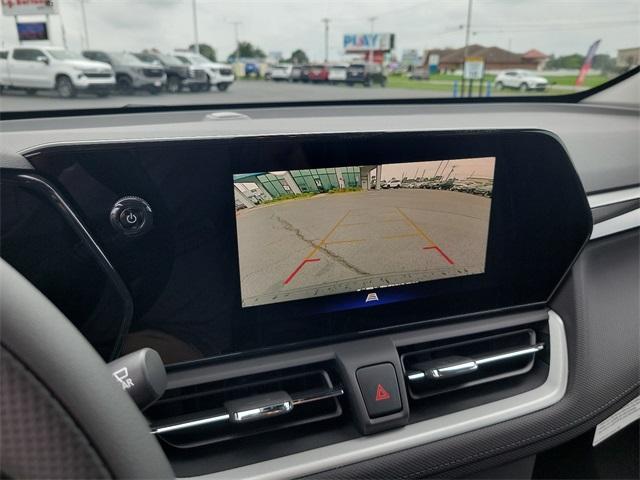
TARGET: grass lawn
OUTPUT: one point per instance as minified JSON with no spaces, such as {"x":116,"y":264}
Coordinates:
{"x":444,"y":82}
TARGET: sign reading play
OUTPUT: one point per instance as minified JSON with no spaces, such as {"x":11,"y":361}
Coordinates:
{"x":29,"y":7}
{"x":362,"y":42}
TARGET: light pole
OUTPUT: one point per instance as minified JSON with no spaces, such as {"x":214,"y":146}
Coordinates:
{"x":235,"y":33}
{"x":371,"y":21}
{"x":196,"y":45}
{"x":326,"y":39}
{"x":466,"y":41}
{"x":84,"y":25}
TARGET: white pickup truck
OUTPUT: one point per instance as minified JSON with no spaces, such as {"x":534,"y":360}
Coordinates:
{"x":52,"y":68}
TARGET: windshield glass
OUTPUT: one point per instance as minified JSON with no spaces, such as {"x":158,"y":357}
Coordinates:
{"x":388,"y":50}
{"x":65,"y":55}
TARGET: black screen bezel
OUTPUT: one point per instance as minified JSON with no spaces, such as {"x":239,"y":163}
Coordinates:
{"x":534,"y":179}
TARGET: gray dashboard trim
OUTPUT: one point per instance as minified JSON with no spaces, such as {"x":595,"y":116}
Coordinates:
{"x":364,"y":448}
{"x":618,"y":224}
{"x":615,"y":196}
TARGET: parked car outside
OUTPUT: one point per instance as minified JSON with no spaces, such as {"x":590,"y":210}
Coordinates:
{"x":393,"y":184}
{"x":52,"y":68}
{"x":131,"y":73}
{"x":318,"y":73}
{"x":219,"y":75}
{"x":522,"y":80}
{"x":179,"y":74}
{"x":366,"y":73}
{"x":338,"y":73}
{"x":281,"y":72}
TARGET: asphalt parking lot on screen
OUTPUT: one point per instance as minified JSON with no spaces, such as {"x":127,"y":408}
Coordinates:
{"x":344,"y":242}
{"x":246,"y":91}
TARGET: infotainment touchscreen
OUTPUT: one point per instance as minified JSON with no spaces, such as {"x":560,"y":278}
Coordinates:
{"x":311,"y":233}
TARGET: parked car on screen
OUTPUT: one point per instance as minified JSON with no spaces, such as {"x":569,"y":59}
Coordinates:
{"x":296,"y":73}
{"x":51,"y":68}
{"x":219,"y":75}
{"x":131,"y":73}
{"x":366,"y":73}
{"x":281,"y":72}
{"x":179,"y":74}
{"x":522,"y":80}
{"x":338,"y":73}
{"x":394,"y":184}
{"x":318,"y":73}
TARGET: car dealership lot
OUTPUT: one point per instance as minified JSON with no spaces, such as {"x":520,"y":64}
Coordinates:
{"x":335,"y":243}
{"x":248,"y":91}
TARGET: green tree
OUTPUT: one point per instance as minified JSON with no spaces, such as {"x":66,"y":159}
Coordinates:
{"x":247,"y":50}
{"x":298,"y":56}
{"x":205,"y":50}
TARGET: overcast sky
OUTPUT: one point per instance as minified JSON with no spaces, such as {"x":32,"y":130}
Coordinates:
{"x":552,"y":26}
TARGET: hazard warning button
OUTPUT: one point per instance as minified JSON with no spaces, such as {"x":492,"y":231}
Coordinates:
{"x":379,"y":387}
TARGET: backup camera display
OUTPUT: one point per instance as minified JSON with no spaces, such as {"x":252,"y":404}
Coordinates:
{"x":311,"y":233}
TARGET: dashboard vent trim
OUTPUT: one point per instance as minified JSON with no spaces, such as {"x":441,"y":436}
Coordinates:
{"x":435,"y":370}
{"x":237,"y":407}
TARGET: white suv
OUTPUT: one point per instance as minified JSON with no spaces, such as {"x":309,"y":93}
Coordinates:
{"x":220,"y":75}
{"x":51,"y":68}
{"x":521,"y":79}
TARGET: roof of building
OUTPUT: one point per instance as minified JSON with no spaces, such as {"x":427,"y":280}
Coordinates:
{"x":490,"y":55}
{"x":534,"y":54}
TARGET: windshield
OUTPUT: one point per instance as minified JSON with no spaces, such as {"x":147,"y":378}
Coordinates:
{"x":388,"y":49}
{"x":65,"y":55}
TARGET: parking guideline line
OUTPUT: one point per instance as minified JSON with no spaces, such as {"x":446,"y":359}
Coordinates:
{"x":433,"y":245}
{"x":405,"y":235}
{"x":345,"y":241}
{"x":308,"y":258}
{"x":326,"y":237}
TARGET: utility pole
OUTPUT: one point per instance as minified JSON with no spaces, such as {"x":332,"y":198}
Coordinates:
{"x":196,"y":45}
{"x":371,"y":21}
{"x":466,"y":40}
{"x":326,"y":39}
{"x":84,"y":25}
{"x":235,"y":32}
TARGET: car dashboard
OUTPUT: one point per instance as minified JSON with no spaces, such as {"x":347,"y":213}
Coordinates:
{"x":347,"y":292}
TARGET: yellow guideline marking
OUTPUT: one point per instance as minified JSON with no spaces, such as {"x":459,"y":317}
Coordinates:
{"x":405,"y":235}
{"x":323,"y":241}
{"x":418,"y":229}
{"x":351,"y":224}
{"x":345,"y":241}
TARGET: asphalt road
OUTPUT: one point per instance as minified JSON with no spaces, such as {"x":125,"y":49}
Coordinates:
{"x":336,"y":243}
{"x":246,"y":91}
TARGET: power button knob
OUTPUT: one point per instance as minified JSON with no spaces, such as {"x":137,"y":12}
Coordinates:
{"x":131,"y":216}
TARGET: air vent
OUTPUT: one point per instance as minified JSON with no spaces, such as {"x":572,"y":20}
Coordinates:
{"x":443,"y":368}
{"x":233,"y":408}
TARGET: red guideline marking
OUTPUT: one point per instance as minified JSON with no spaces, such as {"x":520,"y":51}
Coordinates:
{"x":382,"y":394}
{"x":444,"y":255}
{"x":299,"y":267}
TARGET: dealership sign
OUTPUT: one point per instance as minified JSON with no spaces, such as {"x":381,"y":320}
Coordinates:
{"x":32,"y":31}
{"x":29,"y":7}
{"x":473,"y":68}
{"x":362,"y":42}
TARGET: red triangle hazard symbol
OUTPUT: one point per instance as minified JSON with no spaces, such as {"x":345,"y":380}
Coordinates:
{"x":382,"y":394}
